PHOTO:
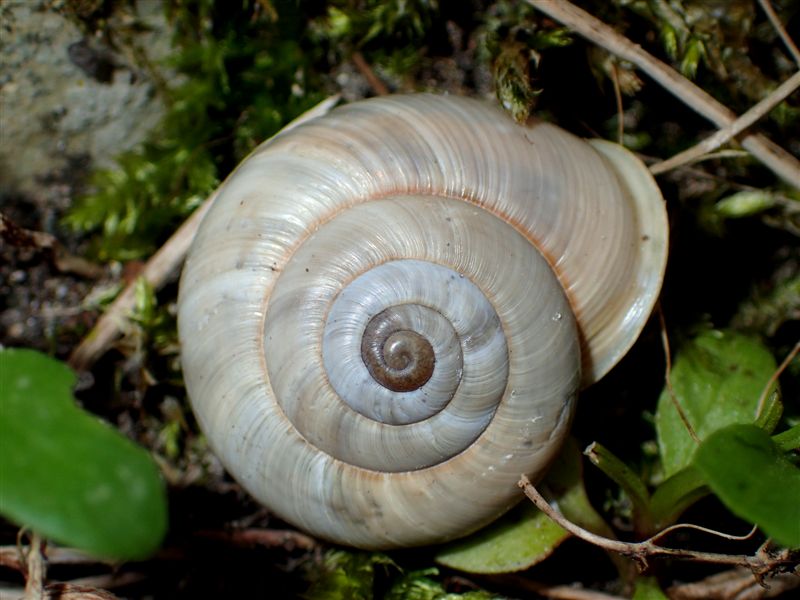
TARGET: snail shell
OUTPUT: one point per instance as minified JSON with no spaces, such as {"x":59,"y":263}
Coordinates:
{"x":385,"y":315}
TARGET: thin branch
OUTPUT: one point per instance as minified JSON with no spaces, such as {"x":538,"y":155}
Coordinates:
{"x":728,"y":153}
{"x":288,"y":539}
{"x":74,"y":591}
{"x":668,"y":377}
{"x":159,"y":268}
{"x":618,"y":98}
{"x":156,"y":271}
{"x":35,"y":571}
{"x":12,"y":557}
{"x":762,"y":400}
{"x":736,"y":583}
{"x":556,"y":592}
{"x":714,"y":532}
{"x":730,"y":131}
{"x":641,"y":551}
{"x":770,"y":154}
{"x":776,"y":23}
{"x":366,"y":70}
{"x":40,"y":241}
{"x":100,"y":584}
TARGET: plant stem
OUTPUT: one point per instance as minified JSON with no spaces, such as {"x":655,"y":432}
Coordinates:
{"x":783,"y":164}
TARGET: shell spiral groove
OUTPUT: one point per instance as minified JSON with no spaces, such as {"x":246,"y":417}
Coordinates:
{"x":385,"y":315}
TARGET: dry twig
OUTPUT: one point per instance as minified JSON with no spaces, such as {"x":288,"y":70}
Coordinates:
{"x":556,"y":592}
{"x":287,"y":539}
{"x":731,"y":131}
{"x":366,"y":70}
{"x":12,"y":557}
{"x":760,"y":564}
{"x":736,"y":583}
{"x":159,"y":268}
{"x":73,"y":591}
{"x":618,"y":98}
{"x":35,"y":570}
{"x":156,"y":271}
{"x":783,"y":164}
{"x":776,"y":23}
{"x":762,"y":400}
{"x":668,"y":377}
{"x":19,"y":237}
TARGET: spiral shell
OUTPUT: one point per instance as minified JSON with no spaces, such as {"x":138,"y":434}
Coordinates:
{"x":385,"y":315}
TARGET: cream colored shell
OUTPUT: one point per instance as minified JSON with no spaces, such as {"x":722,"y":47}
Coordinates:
{"x":514,"y":253}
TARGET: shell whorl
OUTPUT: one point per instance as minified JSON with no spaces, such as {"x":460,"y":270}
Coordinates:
{"x":396,"y":356}
{"x":376,"y":316}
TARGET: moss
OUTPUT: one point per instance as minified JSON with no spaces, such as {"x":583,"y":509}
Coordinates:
{"x":513,"y":39}
{"x":242,"y":74}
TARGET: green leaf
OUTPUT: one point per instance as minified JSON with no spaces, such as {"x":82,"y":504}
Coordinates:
{"x":745,"y":204}
{"x":771,"y":414}
{"x":526,"y":536}
{"x":647,"y":588}
{"x":630,"y":482}
{"x":68,"y":475}
{"x":564,"y":483}
{"x":754,"y":479}
{"x":518,"y":540}
{"x":788,"y":440}
{"x":695,"y":51}
{"x":675,"y":495}
{"x":717,"y":378}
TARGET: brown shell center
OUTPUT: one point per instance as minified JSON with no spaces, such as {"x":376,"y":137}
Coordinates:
{"x":399,"y":359}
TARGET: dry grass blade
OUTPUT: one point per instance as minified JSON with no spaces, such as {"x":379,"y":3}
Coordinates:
{"x":35,"y":570}
{"x":158,"y":269}
{"x":783,"y":164}
{"x":776,"y":23}
{"x":762,"y":400}
{"x":727,"y":133}
{"x":760,"y":564}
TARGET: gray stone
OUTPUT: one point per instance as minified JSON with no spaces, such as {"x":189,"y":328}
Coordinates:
{"x":63,"y":97}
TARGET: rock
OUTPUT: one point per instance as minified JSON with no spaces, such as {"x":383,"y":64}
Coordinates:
{"x":66,"y":98}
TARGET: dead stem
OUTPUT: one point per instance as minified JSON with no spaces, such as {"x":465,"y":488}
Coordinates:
{"x":366,"y":70}
{"x":556,"y":592}
{"x":35,"y":570}
{"x":618,"y":98}
{"x":760,"y":564}
{"x":668,"y":377}
{"x":714,"y":532}
{"x":736,"y":583}
{"x":159,"y":268}
{"x":770,"y":154}
{"x":730,"y":131}
{"x":762,"y":400}
{"x":13,"y":557}
{"x":156,"y":271}
{"x":287,"y":539}
{"x":766,"y":6}
{"x":75,"y":591}
{"x":19,"y":237}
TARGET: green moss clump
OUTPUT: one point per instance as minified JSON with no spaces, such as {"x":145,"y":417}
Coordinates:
{"x":241,"y":73}
{"x":393,"y":35}
{"x":354,"y":575}
{"x":513,"y":39}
